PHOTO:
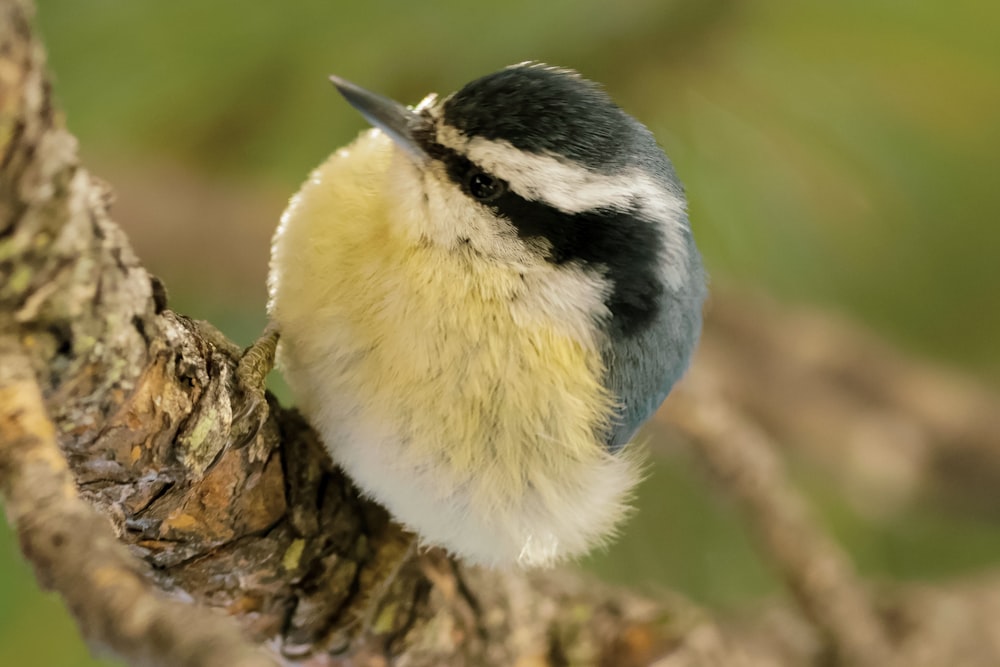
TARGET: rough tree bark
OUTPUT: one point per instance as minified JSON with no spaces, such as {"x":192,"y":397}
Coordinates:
{"x":109,"y":397}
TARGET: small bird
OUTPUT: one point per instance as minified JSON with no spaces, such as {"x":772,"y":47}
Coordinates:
{"x":481,"y":300}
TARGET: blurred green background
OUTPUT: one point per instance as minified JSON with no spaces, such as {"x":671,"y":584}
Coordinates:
{"x":842,"y":153}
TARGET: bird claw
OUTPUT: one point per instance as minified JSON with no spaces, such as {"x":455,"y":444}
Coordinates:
{"x":251,"y":415}
{"x":251,"y":373}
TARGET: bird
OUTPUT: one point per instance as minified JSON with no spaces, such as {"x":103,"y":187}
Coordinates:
{"x":480,"y":300}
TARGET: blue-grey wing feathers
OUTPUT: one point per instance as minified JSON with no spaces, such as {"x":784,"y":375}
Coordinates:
{"x":642,"y":368}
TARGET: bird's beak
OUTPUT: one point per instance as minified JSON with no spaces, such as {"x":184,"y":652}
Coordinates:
{"x":396,"y":120}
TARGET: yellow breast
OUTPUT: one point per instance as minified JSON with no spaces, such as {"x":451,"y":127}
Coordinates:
{"x":384,"y":333}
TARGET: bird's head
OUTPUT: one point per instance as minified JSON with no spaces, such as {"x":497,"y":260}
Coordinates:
{"x":535,"y":167}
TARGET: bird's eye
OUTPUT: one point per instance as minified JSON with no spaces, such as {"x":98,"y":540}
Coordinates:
{"x":484,"y":187}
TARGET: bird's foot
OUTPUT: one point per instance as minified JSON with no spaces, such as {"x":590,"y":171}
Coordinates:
{"x":251,"y":375}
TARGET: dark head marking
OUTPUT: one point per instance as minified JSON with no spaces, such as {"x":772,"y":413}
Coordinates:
{"x":621,"y":243}
{"x":540,"y":109}
{"x":544,"y":110}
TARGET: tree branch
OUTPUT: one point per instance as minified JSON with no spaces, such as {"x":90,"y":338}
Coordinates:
{"x":76,"y":553}
{"x":818,"y":573}
{"x":891,"y":427}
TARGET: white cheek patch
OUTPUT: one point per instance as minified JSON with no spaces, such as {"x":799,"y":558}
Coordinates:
{"x":430,"y":207}
{"x":567,"y":297}
{"x":572,"y":188}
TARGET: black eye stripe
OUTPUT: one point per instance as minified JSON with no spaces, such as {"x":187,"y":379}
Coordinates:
{"x":621,"y":241}
{"x":457,"y":166}
{"x":461,"y":170}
